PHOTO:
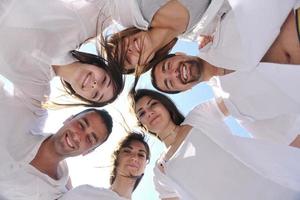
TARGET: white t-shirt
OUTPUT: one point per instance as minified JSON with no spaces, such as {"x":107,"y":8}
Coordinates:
{"x":39,"y":33}
{"x":18,"y":146}
{"x":91,"y":193}
{"x":246,"y":32}
{"x":263,"y":99}
{"x":213,"y":164}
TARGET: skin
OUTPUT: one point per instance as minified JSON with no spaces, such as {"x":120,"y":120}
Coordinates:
{"x":165,"y":26}
{"x":153,"y":115}
{"x":286,"y":48}
{"x":177,"y":74}
{"x":79,"y":135}
{"x":132,"y":162}
{"x":88,"y":81}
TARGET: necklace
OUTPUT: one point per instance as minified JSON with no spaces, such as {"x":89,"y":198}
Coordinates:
{"x":173,"y":132}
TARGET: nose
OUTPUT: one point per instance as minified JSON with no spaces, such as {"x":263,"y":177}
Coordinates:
{"x":94,"y":84}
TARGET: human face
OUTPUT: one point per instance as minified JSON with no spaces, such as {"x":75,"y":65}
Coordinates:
{"x":153,"y":115}
{"x":132,"y":160}
{"x":92,"y":83}
{"x":139,"y":50}
{"x":80,"y":134}
{"x":178,"y":73}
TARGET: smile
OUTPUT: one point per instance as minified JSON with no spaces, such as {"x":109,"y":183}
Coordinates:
{"x":69,"y":141}
{"x":184,"y":74}
{"x":154,"y":119}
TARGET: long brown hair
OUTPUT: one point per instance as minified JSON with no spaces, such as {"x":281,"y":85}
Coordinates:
{"x":133,"y":136}
{"x":176,"y":116}
{"x":116,"y":49}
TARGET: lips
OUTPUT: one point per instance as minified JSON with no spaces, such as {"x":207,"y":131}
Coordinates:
{"x":153,"y":119}
{"x":87,"y":79}
{"x":69,"y":141}
{"x":184,"y":74}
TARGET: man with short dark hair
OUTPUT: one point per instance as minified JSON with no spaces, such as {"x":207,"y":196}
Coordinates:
{"x":262,"y":99}
{"x":33,"y":166}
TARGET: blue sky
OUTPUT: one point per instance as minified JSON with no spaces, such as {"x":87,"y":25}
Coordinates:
{"x":94,"y":169}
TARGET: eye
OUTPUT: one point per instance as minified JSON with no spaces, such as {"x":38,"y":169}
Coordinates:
{"x":141,"y":155}
{"x":104,"y":79}
{"x":153,"y":103}
{"x":164,"y":67}
{"x":81,"y":125}
{"x":141,"y":114}
{"x":91,"y":139}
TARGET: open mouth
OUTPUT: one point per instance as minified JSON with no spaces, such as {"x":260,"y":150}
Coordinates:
{"x":87,"y":79}
{"x":69,"y":141}
{"x":184,"y":74}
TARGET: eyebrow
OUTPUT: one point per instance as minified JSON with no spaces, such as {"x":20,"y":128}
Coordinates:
{"x":146,"y":104}
{"x":140,"y":150}
{"x":86,"y":121}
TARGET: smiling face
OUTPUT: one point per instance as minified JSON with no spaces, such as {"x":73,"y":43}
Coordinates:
{"x":153,"y":115}
{"x":138,"y":48}
{"x":178,"y":73}
{"x":92,"y":83}
{"x":132,"y":159}
{"x":80,"y":135}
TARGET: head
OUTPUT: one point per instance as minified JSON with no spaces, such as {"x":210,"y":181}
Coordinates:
{"x":155,"y":111}
{"x":176,"y":73}
{"x":132,"y":48}
{"x":130,"y":158}
{"x":82,"y":133}
{"x":97,"y":82}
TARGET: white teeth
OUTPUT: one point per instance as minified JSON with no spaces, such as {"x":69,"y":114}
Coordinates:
{"x":184,"y":73}
{"x":69,"y":141}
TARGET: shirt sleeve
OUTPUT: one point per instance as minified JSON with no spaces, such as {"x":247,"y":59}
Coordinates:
{"x":207,"y":113}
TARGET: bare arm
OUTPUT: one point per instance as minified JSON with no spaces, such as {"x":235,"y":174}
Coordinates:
{"x":222,"y":106}
{"x":296,"y":142}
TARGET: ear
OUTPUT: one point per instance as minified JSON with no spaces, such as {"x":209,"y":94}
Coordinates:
{"x":68,"y":119}
{"x":180,"y":54}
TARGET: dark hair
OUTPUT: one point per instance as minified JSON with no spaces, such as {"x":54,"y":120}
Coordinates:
{"x":175,"y":114}
{"x":133,"y":136}
{"x":104,"y":115}
{"x":153,"y":78}
{"x":110,"y":68}
{"x":113,"y":42}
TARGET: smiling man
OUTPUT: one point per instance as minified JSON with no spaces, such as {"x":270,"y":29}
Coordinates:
{"x":179,"y":72}
{"x":262,"y":99}
{"x":33,"y":166}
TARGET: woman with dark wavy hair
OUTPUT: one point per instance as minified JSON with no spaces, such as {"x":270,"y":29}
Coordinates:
{"x":203,"y":160}
{"x":40,"y":38}
{"x":129,"y":162}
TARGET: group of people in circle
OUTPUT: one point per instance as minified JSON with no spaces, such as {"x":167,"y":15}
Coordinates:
{"x":249,"y":53}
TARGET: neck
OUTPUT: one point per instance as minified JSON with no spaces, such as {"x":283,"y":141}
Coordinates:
{"x":168,"y":137}
{"x":211,"y":70}
{"x":123,"y":186}
{"x":46,"y":160}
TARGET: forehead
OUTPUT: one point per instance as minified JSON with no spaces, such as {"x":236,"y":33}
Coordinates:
{"x":137,"y":145}
{"x":142,"y":102}
{"x":94,"y":121}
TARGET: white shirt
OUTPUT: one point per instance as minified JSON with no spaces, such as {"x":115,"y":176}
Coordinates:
{"x":246,"y":32}
{"x":18,"y":146}
{"x":55,"y":27}
{"x":91,"y":193}
{"x":263,"y":97}
{"x":39,"y":33}
{"x":212,"y":164}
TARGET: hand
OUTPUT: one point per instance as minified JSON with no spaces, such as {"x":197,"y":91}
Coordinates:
{"x":204,"y":40}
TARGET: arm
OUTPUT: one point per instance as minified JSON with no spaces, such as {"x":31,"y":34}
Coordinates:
{"x":296,"y":142}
